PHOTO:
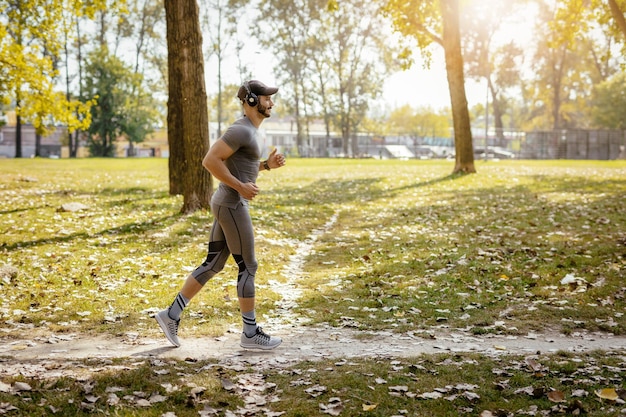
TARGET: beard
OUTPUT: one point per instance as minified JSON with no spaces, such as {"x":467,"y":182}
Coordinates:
{"x":263,"y":110}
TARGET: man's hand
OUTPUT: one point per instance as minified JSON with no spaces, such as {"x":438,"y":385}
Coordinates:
{"x":248,"y":190}
{"x":275,"y":160}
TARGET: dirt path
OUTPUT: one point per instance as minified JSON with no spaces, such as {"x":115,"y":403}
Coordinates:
{"x":300,"y":342}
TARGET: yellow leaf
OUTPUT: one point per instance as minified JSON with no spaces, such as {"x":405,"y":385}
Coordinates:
{"x":607,"y":394}
{"x":503,"y":277}
{"x":369,"y":407}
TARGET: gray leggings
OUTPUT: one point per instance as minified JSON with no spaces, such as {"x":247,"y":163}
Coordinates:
{"x":232,"y":232}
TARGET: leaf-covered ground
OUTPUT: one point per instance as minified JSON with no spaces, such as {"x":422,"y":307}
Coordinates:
{"x":92,"y":247}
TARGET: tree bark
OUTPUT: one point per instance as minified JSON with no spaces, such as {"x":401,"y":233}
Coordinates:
{"x":456,"y":82}
{"x":187,"y":111}
{"x":618,"y":15}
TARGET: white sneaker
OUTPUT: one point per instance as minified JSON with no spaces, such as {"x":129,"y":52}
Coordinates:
{"x":260,"y":340}
{"x":169,"y":326}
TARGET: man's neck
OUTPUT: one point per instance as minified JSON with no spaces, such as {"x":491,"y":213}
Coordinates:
{"x":254,"y":116}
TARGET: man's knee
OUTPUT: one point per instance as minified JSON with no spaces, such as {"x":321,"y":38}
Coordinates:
{"x":214,"y":263}
{"x":245,"y":278}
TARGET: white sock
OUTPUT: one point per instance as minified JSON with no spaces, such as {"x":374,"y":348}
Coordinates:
{"x":177,"y":307}
{"x":249,"y":323}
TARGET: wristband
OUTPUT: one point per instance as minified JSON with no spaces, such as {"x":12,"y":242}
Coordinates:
{"x":266,"y":165}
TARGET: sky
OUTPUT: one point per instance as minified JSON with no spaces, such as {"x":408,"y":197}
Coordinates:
{"x":418,"y":86}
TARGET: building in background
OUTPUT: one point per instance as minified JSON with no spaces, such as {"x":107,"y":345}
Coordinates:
{"x":282,"y":134}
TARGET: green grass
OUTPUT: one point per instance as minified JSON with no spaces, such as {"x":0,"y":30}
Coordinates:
{"x":413,"y":248}
{"x":433,"y":385}
{"x":465,"y":251}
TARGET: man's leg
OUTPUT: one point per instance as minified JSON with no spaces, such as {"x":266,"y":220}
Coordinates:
{"x":217,"y":255}
{"x":237,"y":226}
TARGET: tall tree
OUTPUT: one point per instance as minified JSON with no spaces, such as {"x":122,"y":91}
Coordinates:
{"x":220,"y":20}
{"x":29,"y":52}
{"x":112,"y":84}
{"x":335,"y":56}
{"x":293,"y":22}
{"x":562,"y":87}
{"x":187,"y":113}
{"x":438,"y":21}
{"x":485,"y":58}
{"x":360,"y":57}
{"x":609,"y":104}
{"x":142,"y":26}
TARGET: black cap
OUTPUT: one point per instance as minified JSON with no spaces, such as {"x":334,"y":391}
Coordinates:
{"x":255,"y":87}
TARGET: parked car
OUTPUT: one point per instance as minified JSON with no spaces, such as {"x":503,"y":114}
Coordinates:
{"x":493,"y":153}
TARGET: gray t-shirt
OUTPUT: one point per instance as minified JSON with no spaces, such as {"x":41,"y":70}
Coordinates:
{"x":243,"y":164}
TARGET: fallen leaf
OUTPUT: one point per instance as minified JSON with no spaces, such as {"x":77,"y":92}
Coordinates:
{"x":157,"y":398}
{"x":430,"y":395}
{"x":5,"y":407}
{"x":556,"y":396}
{"x":206,"y":412}
{"x":143,"y":403}
{"x":315,"y":390}
{"x":92,"y":399}
{"x":607,"y":394}
{"x":534,"y":365}
{"x":274,"y":413}
{"x":228,"y":385}
{"x":23,"y":386}
{"x":369,"y":407}
{"x":113,"y":399}
{"x":471,"y":396}
{"x":334,"y":406}
{"x":465,"y":387}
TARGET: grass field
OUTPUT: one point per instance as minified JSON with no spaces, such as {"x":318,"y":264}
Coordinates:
{"x":521,"y":246}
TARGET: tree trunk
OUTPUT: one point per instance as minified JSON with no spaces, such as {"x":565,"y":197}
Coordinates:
{"x":456,"y":82}
{"x":37,"y":144}
{"x":77,"y":134}
{"x":498,"y":113}
{"x":18,"y":135}
{"x":618,"y":15}
{"x":187,"y":111}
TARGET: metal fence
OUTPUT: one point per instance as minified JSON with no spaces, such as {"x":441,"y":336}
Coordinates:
{"x":574,"y":144}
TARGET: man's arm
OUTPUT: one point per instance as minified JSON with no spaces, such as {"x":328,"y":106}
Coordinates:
{"x":214,"y":162}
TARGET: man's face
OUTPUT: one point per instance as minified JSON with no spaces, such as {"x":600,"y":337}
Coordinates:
{"x":265,"y":105}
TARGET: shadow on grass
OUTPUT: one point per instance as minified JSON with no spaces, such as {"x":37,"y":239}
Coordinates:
{"x":144,"y":194}
{"x":326,"y":191}
{"x":128,"y":228}
{"x":434,"y":181}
